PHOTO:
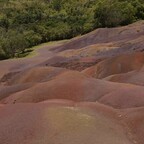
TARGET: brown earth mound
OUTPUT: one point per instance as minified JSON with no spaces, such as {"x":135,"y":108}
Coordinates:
{"x":126,"y":97}
{"x":116,"y":65}
{"x":134,"y":77}
{"x":102,"y":70}
{"x":134,"y":119}
{"x":35,"y":75}
{"x":75,"y":86}
{"x":47,"y":123}
{"x":69,"y":85}
{"x":106,"y":35}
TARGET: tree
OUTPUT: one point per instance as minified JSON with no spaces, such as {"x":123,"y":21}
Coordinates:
{"x":32,"y":38}
{"x":56,"y":4}
{"x":4,"y":22}
{"x":13,"y":44}
{"x":139,"y":6}
{"x":111,"y":13}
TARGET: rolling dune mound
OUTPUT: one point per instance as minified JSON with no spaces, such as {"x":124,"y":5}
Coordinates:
{"x":133,"y":77}
{"x":116,"y":65}
{"x":126,"y":97}
{"x":8,"y":90}
{"x":88,"y":90}
{"x":69,"y":85}
{"x":47,"y":123}
{"x":134,"y":119}
{"x":76,"y":86}
{"x":35,"y":75}
{"x":105,"y":35}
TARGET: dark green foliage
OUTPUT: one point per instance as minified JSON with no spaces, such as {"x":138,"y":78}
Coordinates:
{"x":111,"y":13}
{"x":13,"y":43}
{"x":26,"y":23}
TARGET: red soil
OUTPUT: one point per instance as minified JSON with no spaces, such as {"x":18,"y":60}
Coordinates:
{"x":58,"y":123}
{"x":134,"y":119}
{"x":116,"y":65}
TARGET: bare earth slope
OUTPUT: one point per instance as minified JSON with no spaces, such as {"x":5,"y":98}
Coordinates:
{"x":87,"y":90}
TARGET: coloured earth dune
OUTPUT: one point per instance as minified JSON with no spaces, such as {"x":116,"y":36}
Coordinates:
{"x":87,"y":90}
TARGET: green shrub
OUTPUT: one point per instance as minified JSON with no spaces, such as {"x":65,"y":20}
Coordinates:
{"x":111,"y":13}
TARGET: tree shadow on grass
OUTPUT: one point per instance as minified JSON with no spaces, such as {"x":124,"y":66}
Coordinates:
{"x":25,"y":53}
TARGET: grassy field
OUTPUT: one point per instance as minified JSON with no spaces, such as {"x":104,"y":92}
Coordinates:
{"x":33,"y":51}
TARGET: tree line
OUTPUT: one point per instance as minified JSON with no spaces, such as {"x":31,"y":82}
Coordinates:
{"x":26,"y":23}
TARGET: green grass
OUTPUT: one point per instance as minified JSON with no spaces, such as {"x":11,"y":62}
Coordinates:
{"x":33,"y":51}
